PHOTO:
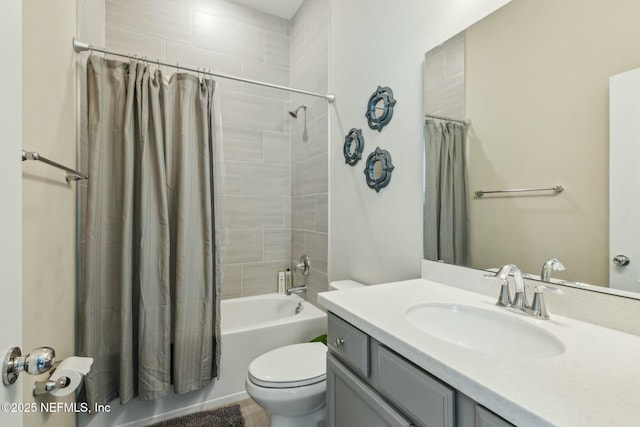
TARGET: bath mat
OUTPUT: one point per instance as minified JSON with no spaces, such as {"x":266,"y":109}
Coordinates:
{"x":227,"y":416}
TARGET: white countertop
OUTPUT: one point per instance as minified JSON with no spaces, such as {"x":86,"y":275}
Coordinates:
{"x":595,"y":382}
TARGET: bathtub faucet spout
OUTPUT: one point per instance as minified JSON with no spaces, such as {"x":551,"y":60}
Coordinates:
{"x":296,"y":290}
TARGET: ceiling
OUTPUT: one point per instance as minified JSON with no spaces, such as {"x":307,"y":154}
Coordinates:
{"x":282,"y":8}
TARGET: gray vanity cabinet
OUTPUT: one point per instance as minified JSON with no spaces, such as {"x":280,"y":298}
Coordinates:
{"x":485,"y":418}
{"x":370,"y":385}
{"x":353,"y":403}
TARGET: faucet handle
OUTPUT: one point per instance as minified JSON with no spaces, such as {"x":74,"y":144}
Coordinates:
{"x":504,"y":298}
{"x":538,"y":307}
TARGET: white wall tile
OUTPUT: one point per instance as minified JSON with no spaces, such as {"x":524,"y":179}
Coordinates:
{"x":310,"y":176}
{"x":252,"y":112}
{"x":277,"y":147}
{"x":303,"y":213}
{"x":254,"y":212}
{"x":266,"y":73}
{"x":266,"y":179}
{"x":221,"y":35}
{"x":230,"y":178}
{"x":322,"y":213}
{"x":231,"y":281}
{"x":121,"y":40}
{"x":297,"y":244}
{"x":244,"y":246}
{"x":242,"y":144}
{"x":315,"y":245}
{"x":164,"y":20}
{"x":261,"y":278}
{"x":277,"y":245}
{"x":276,"y":50}
{"x":318,"y":135}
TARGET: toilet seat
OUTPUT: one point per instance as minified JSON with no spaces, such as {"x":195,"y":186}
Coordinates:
{"x":291,"y":366}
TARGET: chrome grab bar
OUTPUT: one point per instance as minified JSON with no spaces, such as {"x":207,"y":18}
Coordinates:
{"x":557,"y":189}
{"x":71,"y":175}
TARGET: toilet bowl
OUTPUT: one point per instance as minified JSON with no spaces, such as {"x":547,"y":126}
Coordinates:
{"x":290,"y":383}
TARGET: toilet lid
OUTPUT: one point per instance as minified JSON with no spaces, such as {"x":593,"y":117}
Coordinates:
{"x":294,"y":365}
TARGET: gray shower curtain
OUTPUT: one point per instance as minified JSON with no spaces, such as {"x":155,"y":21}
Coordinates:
{"x":150,"y":276}
{"x":446,"y":211}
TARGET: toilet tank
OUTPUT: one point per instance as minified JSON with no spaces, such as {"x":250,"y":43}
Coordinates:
{"x":341,"y":285}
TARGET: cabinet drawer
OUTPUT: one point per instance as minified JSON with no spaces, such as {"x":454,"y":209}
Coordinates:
{"x":486,"y":418}
{"x":351,"y":402}
{"x":349,"y":343}
{"x":423,"y":398}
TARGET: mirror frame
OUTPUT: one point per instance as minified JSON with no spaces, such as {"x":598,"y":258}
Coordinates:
{"x":383,"y":157}
{"x":353,"y":137}
{"x":384,"y":94}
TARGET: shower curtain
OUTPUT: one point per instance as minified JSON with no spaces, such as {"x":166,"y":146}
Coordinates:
{"x":150,"y":276}
{"x":446,"y":211}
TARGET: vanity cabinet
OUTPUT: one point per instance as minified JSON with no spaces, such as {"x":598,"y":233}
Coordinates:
{"x":369,"y":384}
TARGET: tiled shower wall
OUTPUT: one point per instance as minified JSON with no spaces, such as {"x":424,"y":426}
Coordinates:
{"x":309,"y":160}
{"x":444,"y":79}
{"x":235,"y":40}
{"x":258,"y":179}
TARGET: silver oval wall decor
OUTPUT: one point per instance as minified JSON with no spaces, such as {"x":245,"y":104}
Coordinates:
{"x":378,"y":169}
{"x":353,"y":146}
{"x":380,"y":108}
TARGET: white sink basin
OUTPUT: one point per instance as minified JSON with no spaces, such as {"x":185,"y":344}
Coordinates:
{"x":487,"y":331}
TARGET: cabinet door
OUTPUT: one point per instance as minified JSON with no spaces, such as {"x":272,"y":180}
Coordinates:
{"x":351,"y":402}
{"x":485,"y":418}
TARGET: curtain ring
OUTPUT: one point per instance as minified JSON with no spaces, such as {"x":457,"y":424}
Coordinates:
{"x":104,"y":53}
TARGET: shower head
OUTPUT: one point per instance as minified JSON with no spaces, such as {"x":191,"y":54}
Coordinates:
{"x":294,"y":113}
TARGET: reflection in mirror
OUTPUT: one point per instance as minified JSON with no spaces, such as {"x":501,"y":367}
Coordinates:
{"x":534,"y":79}
{"x":377,"y":169}
{"x":379,"y":109}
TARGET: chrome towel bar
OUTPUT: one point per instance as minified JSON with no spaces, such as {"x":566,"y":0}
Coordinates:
{"x":557,"y":189}
{"x":71,"y":175}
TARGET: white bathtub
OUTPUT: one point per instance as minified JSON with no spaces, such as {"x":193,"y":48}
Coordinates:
{"x":250,"y":326}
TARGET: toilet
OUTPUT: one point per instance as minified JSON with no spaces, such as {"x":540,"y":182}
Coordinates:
{"x":290,"y":381}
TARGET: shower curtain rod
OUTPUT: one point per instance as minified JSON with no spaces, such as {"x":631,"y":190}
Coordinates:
{"x":79,"y":46}
{"x":449,"y":119}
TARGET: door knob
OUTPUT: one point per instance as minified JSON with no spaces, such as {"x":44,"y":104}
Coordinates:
{"x":621,"y":260}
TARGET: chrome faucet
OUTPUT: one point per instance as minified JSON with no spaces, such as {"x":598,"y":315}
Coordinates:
{"x":550,"y":264}
{"x":538,"y":308}
{"x":519,"y":302}
{"x":519,"y":299}
{"x":305,"y":268}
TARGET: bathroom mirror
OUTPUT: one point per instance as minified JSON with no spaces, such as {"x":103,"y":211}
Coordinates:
{"x":353,"y":146}
{"x":378,"y":169}
{"x":533,"y":78}
{"x":380,"y":108}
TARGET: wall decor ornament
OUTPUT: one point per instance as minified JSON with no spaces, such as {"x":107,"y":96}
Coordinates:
{"x":380,"y":108}
{"x":353,"y":146}
{"x":378,"y":169}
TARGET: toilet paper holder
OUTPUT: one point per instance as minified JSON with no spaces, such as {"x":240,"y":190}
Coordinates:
{"x":38,"y":361}
{"x":44,"y":387}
